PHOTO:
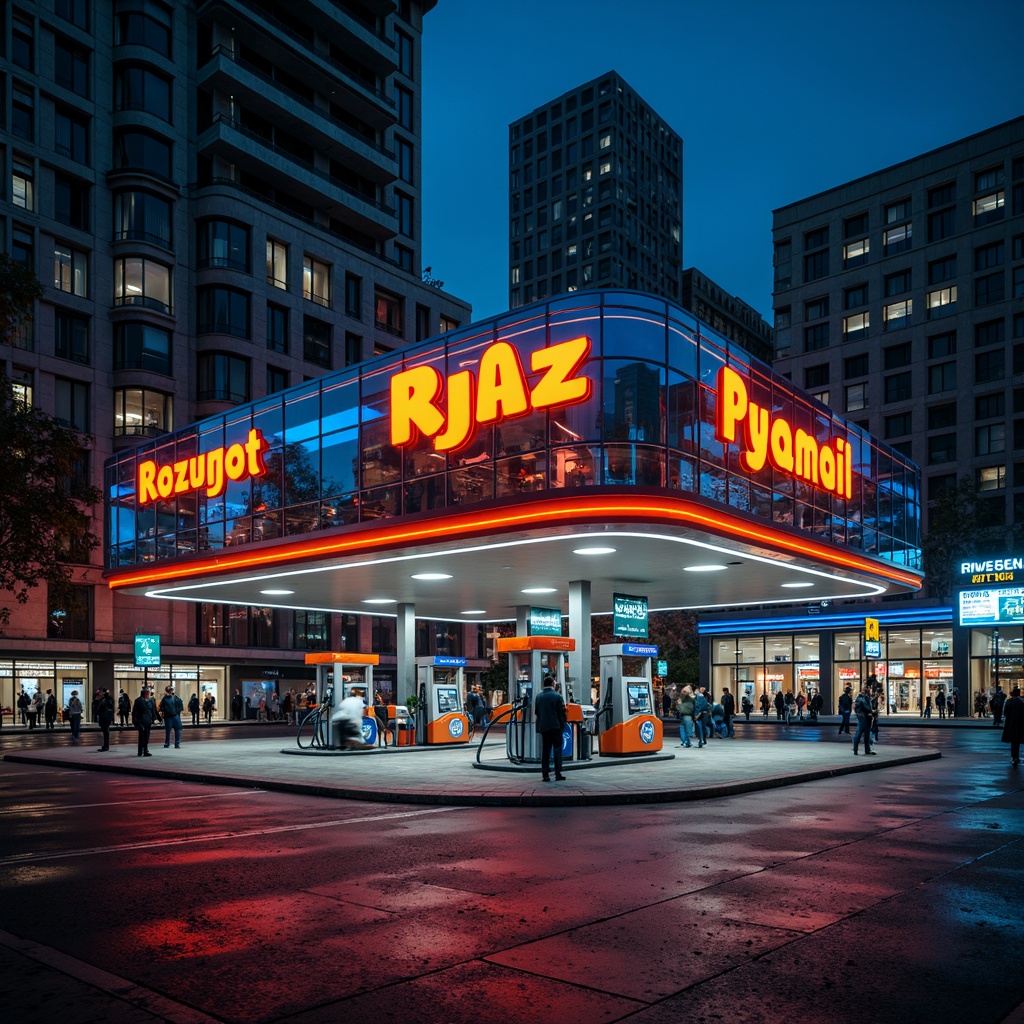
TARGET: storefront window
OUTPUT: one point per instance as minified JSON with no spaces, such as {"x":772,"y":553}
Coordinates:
{"x":997,"y":657}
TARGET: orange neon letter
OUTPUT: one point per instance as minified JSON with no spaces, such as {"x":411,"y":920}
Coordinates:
{"x":414,"y":395}
{"x":460,"y":413}
{"x":501,"y":387}
{"x":560,"y":385}
{"x":732,"y":403}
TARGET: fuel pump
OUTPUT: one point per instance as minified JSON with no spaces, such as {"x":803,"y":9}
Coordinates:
{"x":346,"y":672}
{"x":439,"y":717}
{"x":530,"y":659}
{"x":628,"y":685}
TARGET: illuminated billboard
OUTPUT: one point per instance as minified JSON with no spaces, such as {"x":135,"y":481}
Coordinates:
{"x":995,"y":607}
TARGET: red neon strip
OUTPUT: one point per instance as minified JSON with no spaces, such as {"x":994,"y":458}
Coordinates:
{"x":670,"y":511}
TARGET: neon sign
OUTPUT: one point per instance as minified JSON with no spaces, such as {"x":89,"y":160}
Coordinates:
{"x":772,"y":439}
{"x":211,"y":470}
{"x":498,"y":391}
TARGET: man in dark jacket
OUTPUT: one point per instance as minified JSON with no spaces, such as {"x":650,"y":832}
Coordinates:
{"x":144,"y":714}
{"x":105,"y":717}
{"x":1013,"y":724}
{"x":845,"y":709}
{"x":728,"y":703}
{"x":549,"y":711}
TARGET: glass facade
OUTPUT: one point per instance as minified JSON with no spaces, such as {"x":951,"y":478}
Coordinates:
{"x":649,"y":421}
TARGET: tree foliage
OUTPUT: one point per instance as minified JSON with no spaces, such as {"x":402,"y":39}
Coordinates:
{"x":19,"y":288}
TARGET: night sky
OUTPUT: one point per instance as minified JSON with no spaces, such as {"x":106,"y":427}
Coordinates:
{"x":774,"y":101}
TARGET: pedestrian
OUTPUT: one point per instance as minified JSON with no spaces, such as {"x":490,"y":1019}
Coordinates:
{"x":940,"y":702}
{"x":209,"y":705}
{"x":170,"y":712}
{"x":952,"y":702}
{"x":997,"y":702}
{"x":287,"y":703}
{"x":927,"y":710}
{"x":349,"y":719}
{"x":549,"y":712}
{"x":50,"y":710}
{"x":105,"y":718}
{"x":1013,"y":724}
{"x":746,"y":705}
{"x":236,"y":706}
{"x":862,"y":709}
{"x":684,"y":712}
{"x":35,"y":708}
{"x":193,"y":708}
{"x":480,"y":711}
{"x":75,"y":711}
{"x":24,"y":700}
{"x":817,"y":703}
{"x":845,"y":708}
{"x":801,"y":703}
{"x":765,"y":704}
{"x":124,"y":709}
{"x":728,"y":710}
{"x":144,"y":714}
{"x":780,"y":705}
{"x":274,"y":708}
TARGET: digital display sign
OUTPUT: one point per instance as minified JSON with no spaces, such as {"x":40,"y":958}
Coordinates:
{"x":994,"y":607}
{"x":639,"y":699}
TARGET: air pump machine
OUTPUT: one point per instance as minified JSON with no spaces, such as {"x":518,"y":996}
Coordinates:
{"x":439,"y":715}
{"x":530,"y":659}
{"x":628,"y":687}
{"x":344,"y":672}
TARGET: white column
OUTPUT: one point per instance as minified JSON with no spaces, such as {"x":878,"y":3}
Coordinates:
{"x":579,"y":630}
{"x":405,"y":632}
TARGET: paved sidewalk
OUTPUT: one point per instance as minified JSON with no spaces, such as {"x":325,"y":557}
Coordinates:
{"x":449,"y":775}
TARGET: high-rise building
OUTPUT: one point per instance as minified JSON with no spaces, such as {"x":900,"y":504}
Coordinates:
{"x":221,"y":199}
{"x":595,"y":196}
{"x":899,"y":302}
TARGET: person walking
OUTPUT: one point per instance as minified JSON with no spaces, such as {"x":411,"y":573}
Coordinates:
{"x":144,"y":714}
{"x":50,"y":710}
{"x":766,"y":704}
{"x":549,"y":713}
{"x":193,"y":708}
{"x":209,"y":704}
{"x":728,"y":703}
{"x":845,"y":709}
{"x":75,"y":711}
{"x":926,"y":711}
{"x":170,"y":712}
{"x":817,"y":703}
{"x":801,"y":702}
{"x":1013,"y":724}
{"x":684,"y":710}
{"x":746,"y":706}
{"x":998,"y":702}
{"x":124,"y":710}
{"x":105,"y":718}
{"x":862,"y":709}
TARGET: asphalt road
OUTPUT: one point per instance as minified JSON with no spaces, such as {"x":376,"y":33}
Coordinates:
{"x":891,"y":896}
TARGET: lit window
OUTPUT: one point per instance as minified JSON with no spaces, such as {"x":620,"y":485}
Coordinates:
{"x":856,"y":325}
{"x":23,"y":188}
{"x":856,"y":397}
{"x":988,"y":208}
{"x":856,"y":253}
{"x":991,"y":478}
{"x":69,"y":271}
{"x":606,"y":141}
{"x":316,"y":281}
{"x":897,"y":314}
{"x":897,"y":239}
{"x":605,"y":167}
{"x":941,"y":301}
{"x":277,"y":263}
{"x":142,"y":282}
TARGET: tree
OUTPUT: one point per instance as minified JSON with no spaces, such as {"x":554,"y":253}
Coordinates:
{"x":45,"y":504}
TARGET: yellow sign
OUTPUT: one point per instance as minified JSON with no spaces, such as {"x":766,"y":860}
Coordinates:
{"x":871,"y":629}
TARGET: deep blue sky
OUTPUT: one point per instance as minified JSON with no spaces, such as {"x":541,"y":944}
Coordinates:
{"x":775,"y":101}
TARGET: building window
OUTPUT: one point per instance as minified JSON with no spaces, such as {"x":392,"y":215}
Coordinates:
{"x":990,"y":478}
{"x":856,"y":253}
{"x":941,"y":224}
{"x":23,"y":191}
{"x":141,"y":88}
{"x":139,"y":151}
{"x":316,"y":342}
{"x":816,"y":376}
{"x":816,"y":337}
{"x":75,"y":11}
{"x":987,"y":257}
{"x":990,"y":333}
{"x":816,"y":238}
{"x":856,"y":326}
{"x":855,"y":296}
{"x":856,"y":397}
{"x":316,"y":281}
{"x":277,"y":328}
{"x":142,"y":282}
{"x":403,"y":105}
{"x":897,"y":239}
{"x":896,"y":356}
{"x":989,"y":289}
{"x":988,"y":366}
{"x":989,"y":208}
{"x":941,"y":377}
{"x":404,"y":152}
{"x":71,"y":404}
{"x":899,"y":425}
{"x":990,"y":439}
{"x":897,"y":284}
{"x":856,"y":366}
{"x":277,"y":379}
{"x":142,"y":347}
{"x":71,"y":68}
{"x":816,"y":265}
{"x":403,"y":205}
{"x":941,"y":301}
{"x":942,"y":270}
{"x":311,"y":631}
{"x":221,"y":310}
{"x":70,"y":619}
{"x":940,"y":417}
{"x":987,"y":407}
{"x":70,"y":271}
{"x":897,"y":314}
{"x":403,"y":257}
{"x":816,"y":308}
{"x":23,"y":114}
{"x":388,"y":313}
{"x":71,"y":336}
{"x":142,"y":217}
{"x":223,"y":243}
{"x":222,"y":378}
{"x":898,"y":387}
{"x":143,"y":29}
{"x":141,"y":413}
{"x":942,"y":195}
{"x":353,"y":296}
{"x":941,"y":448}
{"x":277,"y":263}
{"x":940,"y":345}
{"x":1018,"y":282}
{"x":353,"y":349}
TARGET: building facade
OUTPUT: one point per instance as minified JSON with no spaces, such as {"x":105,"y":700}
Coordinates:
{"x":728,"y":314}
{"x":221,"y":199}
{"x":899,"y":301}
{"x":595,"y":196}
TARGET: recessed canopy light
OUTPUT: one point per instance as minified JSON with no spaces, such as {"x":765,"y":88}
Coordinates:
{"x":379,"y":600}
{"x":794,"y":586}
{"x":710,"y":567}
{"x":539,"y":590}
{"x":474,"y":611}
{"x":431,"y":575}
{"x":594,"y":551}
{"x":276,"y":593}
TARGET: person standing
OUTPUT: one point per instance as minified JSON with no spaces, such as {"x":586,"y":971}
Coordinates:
{"x":728,"y":710}
{"x":801,"y":701}
{"x":780,"y":705}
{"x":170,"y":712}
{"x":862,"y":709}
{"x":50,"y":710}
{"x":208,"y":705}
{"x":287,"y":704}
{"x":701,"y":716}
{"x":747,"y":705}
{"x":23,"y":703}
{"x":124,"y":709}
{"x":75,"y":711}
{"x":845,"y":709}
{"x":35,"y":709}
{"x":998,"y":702}
{"x":817,"y":703}
{"x":765,"y":704}
{"x":236,"y":706}
{"x":144,"y":714}
{"x":105,"y":717}
{"x":549,"y":712}
{"x":193,"y":708}
{"x":684,"y":709}
{"x":926,"y":711}
{"x":1013,"y":724}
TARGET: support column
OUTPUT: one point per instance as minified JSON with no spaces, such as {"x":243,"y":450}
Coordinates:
{"x":522,"y":620}
{"x":405,"y":636}
{"x":579,"y":630}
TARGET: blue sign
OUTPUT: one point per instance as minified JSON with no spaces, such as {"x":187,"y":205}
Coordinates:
{"x":545,"y":622}
{"x":872,"y":648}
{"x":647,"y":732}
{"x":370,"y":731}
{"x":662,"y":668}
{"x":644,"y":650}
{"x":567,"y":742}
{"x":455,"y":727}
{"x":147,"y":650}
{"x":447,"y":661}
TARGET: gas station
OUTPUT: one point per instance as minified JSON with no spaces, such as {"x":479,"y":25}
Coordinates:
{"x":592,"y":446}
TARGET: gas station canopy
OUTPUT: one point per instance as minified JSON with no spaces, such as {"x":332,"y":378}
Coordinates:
{"x":604,"y":436}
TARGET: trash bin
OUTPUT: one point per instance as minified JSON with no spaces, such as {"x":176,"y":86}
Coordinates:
{"x":587,"y":729}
